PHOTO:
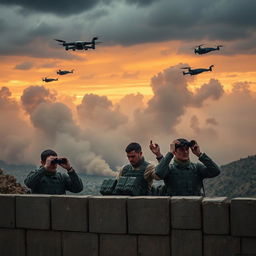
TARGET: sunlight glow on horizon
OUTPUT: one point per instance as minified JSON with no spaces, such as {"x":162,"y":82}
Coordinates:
{"x":117,"y":71}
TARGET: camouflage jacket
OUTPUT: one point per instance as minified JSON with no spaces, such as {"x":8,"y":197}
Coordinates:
{"x":185,"y":180}
{"x":42,"y":182}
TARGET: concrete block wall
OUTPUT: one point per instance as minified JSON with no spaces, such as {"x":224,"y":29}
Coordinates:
{"x":42,"y":225}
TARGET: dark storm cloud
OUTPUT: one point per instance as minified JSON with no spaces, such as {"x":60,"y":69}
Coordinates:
{"x":126,"y":22}
{"x":31,"y":35}
{"x":218,"y":21}
{"x":141,"y":2}
{"x":183,"y":13}
{"x":65,"y":7}
{"x":43,"y":29}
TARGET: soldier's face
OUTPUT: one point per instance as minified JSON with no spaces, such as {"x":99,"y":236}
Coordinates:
{"x":134,"y":157}
{"x":182,"y":153}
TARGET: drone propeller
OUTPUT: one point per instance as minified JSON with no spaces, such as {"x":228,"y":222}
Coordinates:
{"x":199,"y":45}
{"x":186,"y":68}
{"x":61,"y":41}
{"x":219,"y":45}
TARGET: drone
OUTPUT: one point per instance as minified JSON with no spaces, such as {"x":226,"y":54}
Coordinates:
{"x":78,"y":45}
{"x":47,"y":80}
{"x":201,"y":50}
{"x":64,"y":72}
{"x":196,"y":71}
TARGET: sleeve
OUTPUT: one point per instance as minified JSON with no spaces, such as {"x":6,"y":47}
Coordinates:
{"x":162,"y":169}
{"x":34,"y":178}
{"x":209,"y":168}
{"x":149,"y":173}
{"x":120,"y":173}
{"x":73,"y":182}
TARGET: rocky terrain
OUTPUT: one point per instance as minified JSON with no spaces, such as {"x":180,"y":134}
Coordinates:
{"x":237,"y":179}
{"x":9,"y":185}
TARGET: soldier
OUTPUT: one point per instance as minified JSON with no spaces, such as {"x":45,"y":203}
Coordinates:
{"x":46,"y":179}
{"x":138,"y":168}
{"x":183,"y":178}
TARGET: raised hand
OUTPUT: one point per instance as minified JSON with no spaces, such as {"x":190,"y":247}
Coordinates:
{"x":172,"y":146}
{"x":154,"y":147}
{"x":196,"y":150}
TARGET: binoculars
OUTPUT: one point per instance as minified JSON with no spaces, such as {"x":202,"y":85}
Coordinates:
{"x":59,"y":161}
{"x":185,"y":143}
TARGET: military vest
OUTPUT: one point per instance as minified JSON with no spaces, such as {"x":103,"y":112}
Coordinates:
{"x":51,"y":184}
{"x":128,"y":171}
{"x":183,"y":181}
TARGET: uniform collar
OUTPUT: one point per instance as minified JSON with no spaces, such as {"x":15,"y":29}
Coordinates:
{"x":139,"y":163}
{"x":181,"y":164}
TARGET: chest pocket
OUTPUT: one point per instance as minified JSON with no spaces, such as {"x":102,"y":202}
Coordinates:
{"x":184,"y":182}
{"x":52,"y":185}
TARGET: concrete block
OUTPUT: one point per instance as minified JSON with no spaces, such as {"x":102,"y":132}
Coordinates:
{"x":186,"y":212}
{"x":69,"y":213}
{"x":186,"y":243}
{"x":33,"y":211}
{"x":12,"y":242}
{"x":7,"y":212}
{"x":216,"y":215}
{"x":243,"y":220}
{"x":111,"y":245}
{"x":153,"y":245}
{"x":43,"y":243}
{"x":148,"y":215}
{"x":221,"y":245}
{"x":80,"y":244}
{"x":107,"y":214}
{"x":248,"y":246}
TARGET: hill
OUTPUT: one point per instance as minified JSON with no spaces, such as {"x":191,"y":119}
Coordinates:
{"x":237,"y":179}
{"x":9,"y":185}
{"x":16,"y":167}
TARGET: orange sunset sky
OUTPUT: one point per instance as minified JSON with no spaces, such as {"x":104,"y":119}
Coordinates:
{"x":116,"y":71}
{"x":131,"y":87}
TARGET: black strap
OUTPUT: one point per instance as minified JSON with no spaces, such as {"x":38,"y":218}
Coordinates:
{"x":203,"y":189}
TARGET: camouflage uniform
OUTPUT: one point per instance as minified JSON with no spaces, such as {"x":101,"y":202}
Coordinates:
{"x":43,"y":182}
{"x":185,"y":178}
{"x":143,"y":172}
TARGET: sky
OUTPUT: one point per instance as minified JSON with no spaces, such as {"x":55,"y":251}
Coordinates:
{"x":131,"y":87}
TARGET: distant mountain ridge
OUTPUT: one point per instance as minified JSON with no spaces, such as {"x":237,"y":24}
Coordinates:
{"x":16,"y":167}
{"x":237,"y":179}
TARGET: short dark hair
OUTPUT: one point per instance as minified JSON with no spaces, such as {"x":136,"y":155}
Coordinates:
{"x":133,"y":146}
{"x":46,"y":153}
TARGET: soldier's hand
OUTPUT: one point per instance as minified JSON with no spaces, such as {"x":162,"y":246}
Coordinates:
{"x":154,"y":147}
{"x":48,"y":163}
{"x":172,"y":146}
{"x":66,"y":165}
{"x":196,"y":150}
